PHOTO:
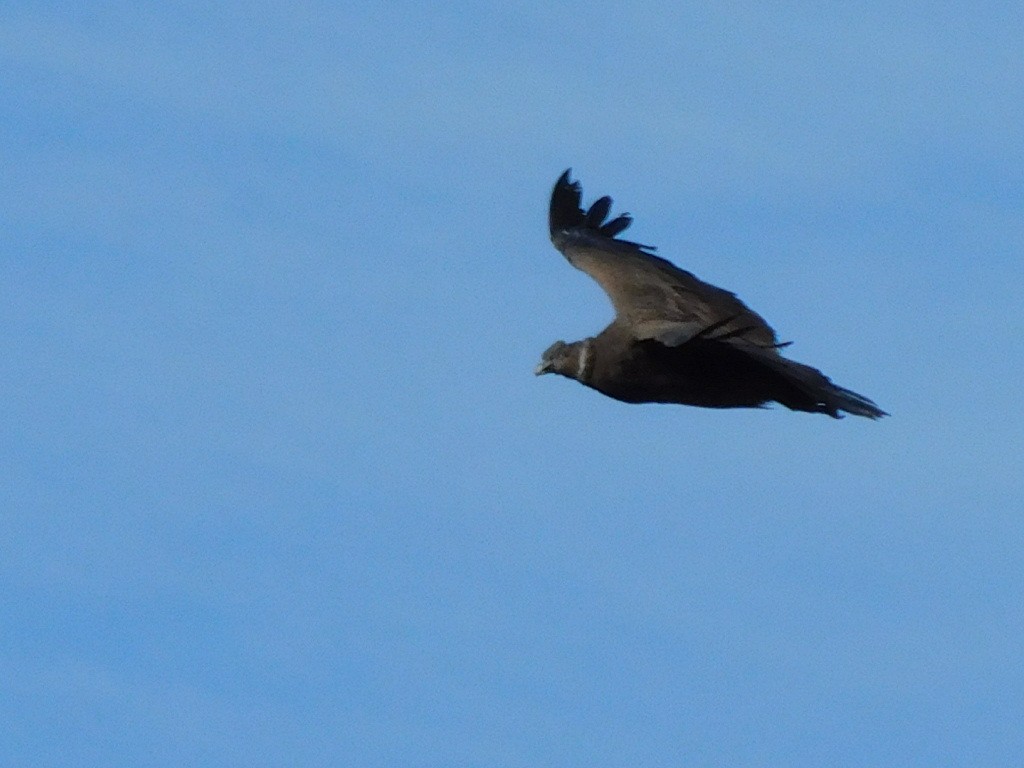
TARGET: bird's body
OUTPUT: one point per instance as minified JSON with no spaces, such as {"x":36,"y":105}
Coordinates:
{"x":699,"y":373}
{"x":675,"y":338}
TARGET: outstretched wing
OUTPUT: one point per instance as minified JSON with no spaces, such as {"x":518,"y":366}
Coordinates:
{"x":651,"y":296}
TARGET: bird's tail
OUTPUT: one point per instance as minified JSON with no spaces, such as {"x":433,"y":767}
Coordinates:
{"x":808,"y":389}
{"x":858,"y":405}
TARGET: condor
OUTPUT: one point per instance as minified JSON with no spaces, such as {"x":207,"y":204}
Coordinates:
{"x":675,"y":338}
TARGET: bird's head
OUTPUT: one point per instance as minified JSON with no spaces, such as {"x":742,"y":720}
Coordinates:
{"x":570,"y":360}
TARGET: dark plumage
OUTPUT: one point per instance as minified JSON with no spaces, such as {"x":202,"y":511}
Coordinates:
{"x":675,"y":338}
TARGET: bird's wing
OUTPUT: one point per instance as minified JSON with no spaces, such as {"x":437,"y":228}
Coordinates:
{"x":651,"y":296}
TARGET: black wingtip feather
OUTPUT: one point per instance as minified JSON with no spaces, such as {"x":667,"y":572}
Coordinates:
{"x":616,"y":225}
{"x":566,"y":214}
{"x":565,"y":210}
{"x":598,"y":212}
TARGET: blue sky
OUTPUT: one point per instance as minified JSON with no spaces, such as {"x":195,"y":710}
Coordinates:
{"x":280,"y":487}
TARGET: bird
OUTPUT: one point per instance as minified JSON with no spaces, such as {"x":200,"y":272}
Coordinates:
{"x":674,"y":337}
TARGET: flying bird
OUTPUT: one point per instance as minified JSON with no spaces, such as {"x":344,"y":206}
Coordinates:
{"x":675,"y":338}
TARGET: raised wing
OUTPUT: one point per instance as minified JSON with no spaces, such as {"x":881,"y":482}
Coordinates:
{"x":651,"y":296}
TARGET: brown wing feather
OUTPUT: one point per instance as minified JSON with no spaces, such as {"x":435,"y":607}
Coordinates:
{"x":652,"y":296}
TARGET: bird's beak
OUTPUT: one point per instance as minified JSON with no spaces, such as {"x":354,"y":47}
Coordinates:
{"x":542,"y":367}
